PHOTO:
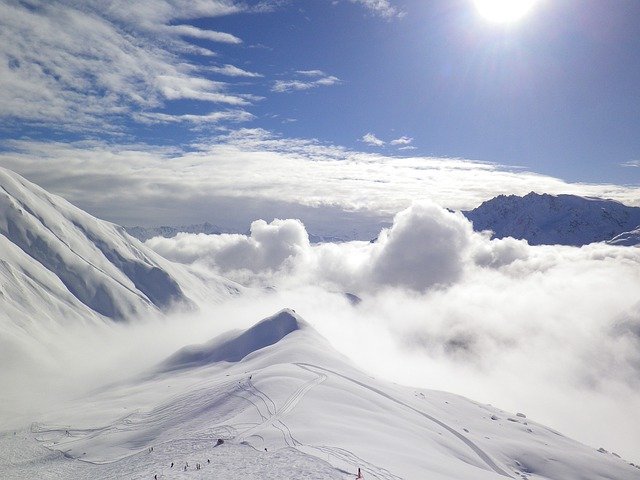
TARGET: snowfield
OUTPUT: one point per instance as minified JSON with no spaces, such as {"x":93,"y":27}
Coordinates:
{"x":276,"y":401}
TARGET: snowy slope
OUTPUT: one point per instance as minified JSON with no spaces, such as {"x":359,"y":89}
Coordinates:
{"x":627,"y":239}
{"x":286,"y":405}
{"x":59,"y":262}
{"x":544,"y":219}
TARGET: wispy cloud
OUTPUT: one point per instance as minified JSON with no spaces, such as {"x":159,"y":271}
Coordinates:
{"x":371,"y":139}
{"x":631,"y":163}
{"x":383,"y":8}
{"x":233,"y":71}
{"x":313,"y":79}
{"x":311,"y":73}
{"x":213,"y":117}
{"x":195,"y":32}
{"x":404,"y":140}
{"x":82,"y":67}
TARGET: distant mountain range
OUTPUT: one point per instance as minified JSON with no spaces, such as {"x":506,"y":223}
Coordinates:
{"x":145,"y":233}
{"x":544,"y":219}
{"x":541,"y":219}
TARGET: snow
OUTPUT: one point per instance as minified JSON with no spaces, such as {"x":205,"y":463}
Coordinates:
{"x":59,"y":253}
{"x":284,"y":402}
{"x":544,"y":219}
{"x":289,"y":406}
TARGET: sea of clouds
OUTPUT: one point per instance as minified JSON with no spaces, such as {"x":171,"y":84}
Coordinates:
{"x":553,"y":330}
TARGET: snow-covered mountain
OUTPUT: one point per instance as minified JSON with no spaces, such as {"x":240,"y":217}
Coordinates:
{"x":277,"y":402}
{"x":59,"y":262}
{"x":544,"y":219}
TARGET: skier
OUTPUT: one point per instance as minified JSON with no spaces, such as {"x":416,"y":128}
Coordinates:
{"x":171,"y":464}
{"x":359,"y":473}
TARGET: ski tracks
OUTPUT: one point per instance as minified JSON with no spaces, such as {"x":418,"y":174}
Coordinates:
{"x":477,"y":450}
{"x":275,"y":417}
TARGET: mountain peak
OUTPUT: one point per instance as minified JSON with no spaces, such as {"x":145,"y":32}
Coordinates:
{"x":236,"y":346}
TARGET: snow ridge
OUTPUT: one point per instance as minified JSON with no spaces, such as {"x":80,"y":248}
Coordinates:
{"x":234,"y":347}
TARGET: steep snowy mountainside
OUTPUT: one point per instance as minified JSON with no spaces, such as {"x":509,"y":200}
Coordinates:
{"x":56,"y":254}
{"x":544,"y":219}
{"x":277,"y":401}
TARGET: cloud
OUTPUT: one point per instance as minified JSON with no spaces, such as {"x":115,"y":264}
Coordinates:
{"x":371,"y":139}
{"x":383,"y":8}
{"x":87,"y":67}
{"x":233,"y":71}
{"x":404,"y":140}
{"x":268,"y":246}
{"x":322,"y":80}
{"x":311,"y":73}
{"x":426,"y":246}
{"x":631,"y":163}
{"x":195,"y":32}
{"x":334,"y":190}
{"x":213,"y":117}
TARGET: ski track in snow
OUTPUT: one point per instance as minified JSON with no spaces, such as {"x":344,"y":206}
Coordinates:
{"x":481,"y":453}
{"x":288,"y":406}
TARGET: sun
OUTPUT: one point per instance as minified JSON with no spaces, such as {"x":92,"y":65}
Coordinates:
{"x":504,"y":11}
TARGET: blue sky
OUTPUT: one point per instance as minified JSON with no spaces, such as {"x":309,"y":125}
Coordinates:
{"x":554,"y":94}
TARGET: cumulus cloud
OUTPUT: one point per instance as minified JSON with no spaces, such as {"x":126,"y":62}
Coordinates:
{"x":371,"y":139}
{"x":426,"y":247}
{"x":269,"y":246}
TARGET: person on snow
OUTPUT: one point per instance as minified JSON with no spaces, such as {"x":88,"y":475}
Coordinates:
{"x":359,"y":473}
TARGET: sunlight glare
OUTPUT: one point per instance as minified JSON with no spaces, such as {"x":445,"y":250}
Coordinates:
{"x":504,"y":11}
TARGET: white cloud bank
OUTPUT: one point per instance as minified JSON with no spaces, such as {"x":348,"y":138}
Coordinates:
{"x":538,"y":329}
{"x":334,"y":190}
